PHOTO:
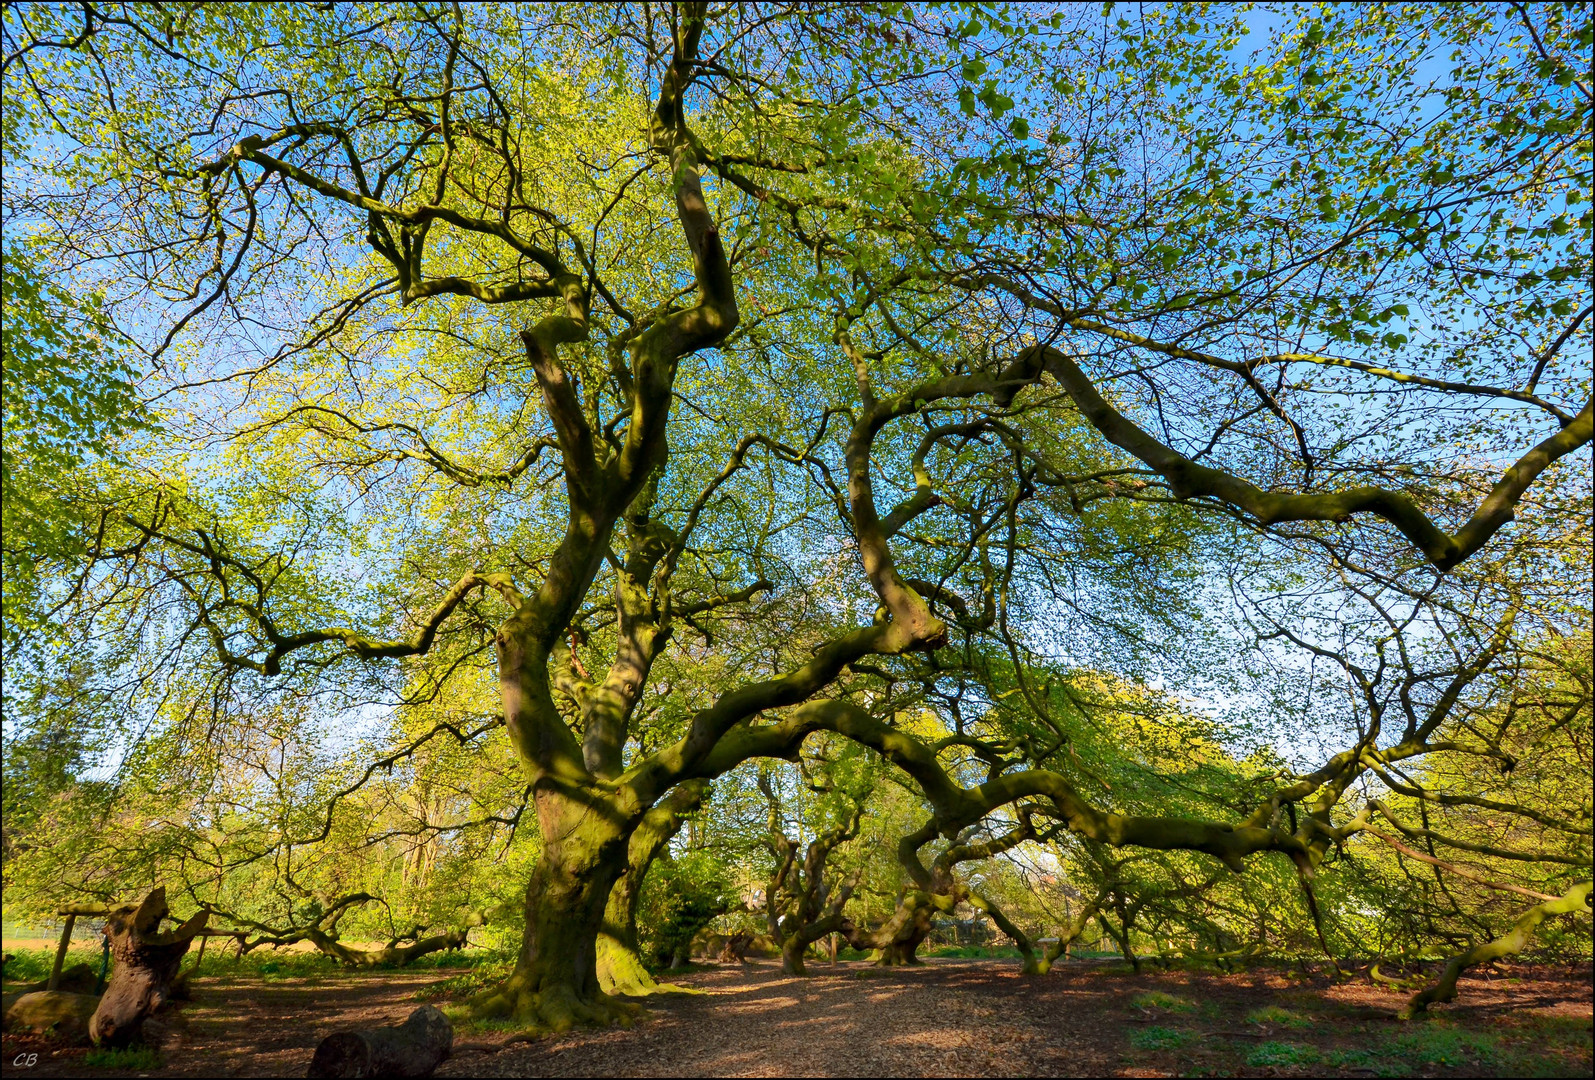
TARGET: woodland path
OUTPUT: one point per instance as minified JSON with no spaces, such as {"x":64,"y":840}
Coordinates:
{"x":981,"y":1018}
{"x":947,"y":1018}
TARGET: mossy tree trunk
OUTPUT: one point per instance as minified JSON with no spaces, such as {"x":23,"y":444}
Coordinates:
{"x":555,"y":983}
{"x":620,"y":966}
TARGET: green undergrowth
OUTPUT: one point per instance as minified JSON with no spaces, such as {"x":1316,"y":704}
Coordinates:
{"x":222,"y":960}
{"x":972,"y":952}
{"x":132,"y":1057}
{"x":1275,"y":1014}
{"x":31,"y":965}
{"x":1157,"y":999}
{"x":1160,"y":1038}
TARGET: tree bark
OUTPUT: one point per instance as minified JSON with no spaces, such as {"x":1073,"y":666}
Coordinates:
{"x":414,"y":1048}
{"x":620,"y":966}
{"x":555,"y":983}
{"x":146,"y":964}
{"x":1576,"y":899}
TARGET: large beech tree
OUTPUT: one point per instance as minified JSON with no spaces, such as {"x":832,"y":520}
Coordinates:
{"x":724,"y":382}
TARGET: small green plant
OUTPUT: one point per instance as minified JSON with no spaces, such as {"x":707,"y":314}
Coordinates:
{"x":1157,"y":999}
{"x":1274,"y":1014}
{"x":1159,"y":1038}
{"x":1283,"y":1053}
{"x":132,"y":1057}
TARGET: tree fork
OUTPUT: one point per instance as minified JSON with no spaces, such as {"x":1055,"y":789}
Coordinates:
{"x":621,"y":971}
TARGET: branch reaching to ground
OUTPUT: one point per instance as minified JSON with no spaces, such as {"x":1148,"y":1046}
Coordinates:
{"x":1573,"y":901}
{"x":322,"y":933}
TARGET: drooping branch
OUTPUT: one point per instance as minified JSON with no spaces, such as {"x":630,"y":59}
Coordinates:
{"x":1189,"y":480}
{"x":1573,"y":901}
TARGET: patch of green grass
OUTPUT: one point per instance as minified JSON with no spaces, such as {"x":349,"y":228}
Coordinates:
{"x":1157,"y":999}
{"x":1283,"y":1053}
{"x":466,"y":1024}
{"x":973,"y":952}
{"x":1432,"y":1043}
{"x":1538,"y":1065}
{"x":470,"y":982}
{"x":31,"y":965}
{"x":1274,"y":1014}
{"x":1159,"y":1038}
{"x":1352,"y":1059}
{"x":1367,"y":1061}
{"x":132,"y":1057}
{"x":1558,"y":1030}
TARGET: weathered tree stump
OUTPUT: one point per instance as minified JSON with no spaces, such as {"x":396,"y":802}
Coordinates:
{"x":146,"y":963}
{"x":413,"y":1048}
{"x":735,"y":950}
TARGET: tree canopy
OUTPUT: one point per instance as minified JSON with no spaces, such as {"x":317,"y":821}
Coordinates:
{"x":864,"y":464}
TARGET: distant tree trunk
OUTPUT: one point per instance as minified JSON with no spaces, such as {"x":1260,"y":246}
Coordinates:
{"x":896,"y":942}
{"x":414,"y":1048}
{"x":146,"y":963}
{"x":60,"y":952}
{"x":735,"y":949}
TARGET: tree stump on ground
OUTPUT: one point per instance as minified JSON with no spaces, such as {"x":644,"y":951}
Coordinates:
{"x":736,"y":948}
{"x":413,"y":1048}
{"x":146,"y":963}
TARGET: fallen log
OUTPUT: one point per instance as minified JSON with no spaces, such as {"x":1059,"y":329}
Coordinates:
{"x":413,"y":1048}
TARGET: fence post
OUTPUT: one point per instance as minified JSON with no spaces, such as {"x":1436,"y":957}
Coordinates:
{"x":60,"y":952}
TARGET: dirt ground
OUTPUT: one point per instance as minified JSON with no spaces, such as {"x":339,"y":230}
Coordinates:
{"x":947,"y":1018}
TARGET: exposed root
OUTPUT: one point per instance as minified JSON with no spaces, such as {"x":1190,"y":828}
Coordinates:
{"x":621,"y":974}
{"x":665,"y":988}
{"x":641,"y":984}
{"x":552,"y":1010}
